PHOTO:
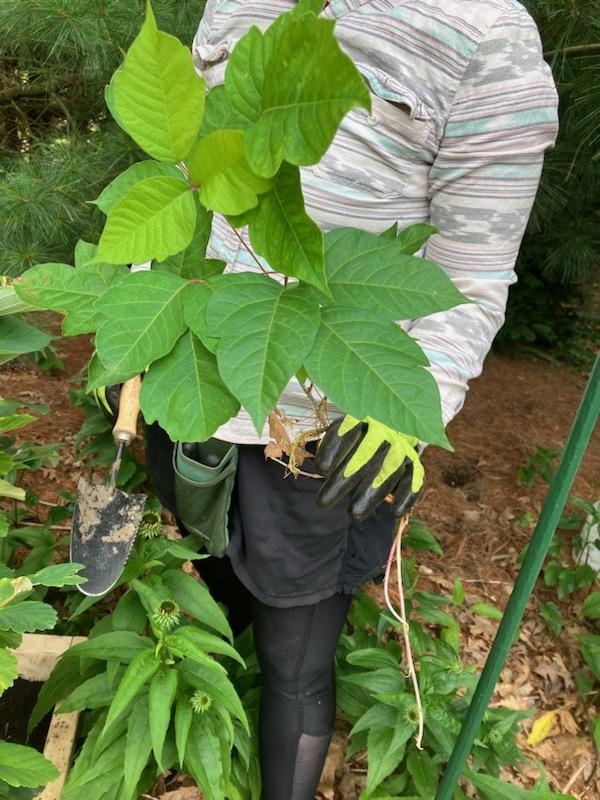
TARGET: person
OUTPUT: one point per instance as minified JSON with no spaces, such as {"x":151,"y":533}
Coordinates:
{"x":463,"y":109}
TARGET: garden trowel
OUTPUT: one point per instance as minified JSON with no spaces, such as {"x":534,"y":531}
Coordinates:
{"x":106,"y":520}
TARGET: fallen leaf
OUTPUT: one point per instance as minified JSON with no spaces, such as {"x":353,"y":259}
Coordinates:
{"x":186,"y":793}
{"x":333,"y":762}
{"x":542,"y":727}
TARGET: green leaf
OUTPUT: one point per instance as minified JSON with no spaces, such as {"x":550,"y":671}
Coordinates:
{"x":219,"y":114}
{"x":154,"y":220}
{"x":120,"y":186}
{"x":24,"y":766}
{"x":377,"y":716}
{"x":203,"y":758}
{"x":129,"y":614}
{"x":13,"y":422}
{"x":58,"y":575}
{"x":420,"y":538}
{"x":191,"y":263}
{"x":158,"y":95}
{"x":423,"y":772}
{"x":163,"y":689}
{"x":96,"y":692}
{"x":185,"y":646}
{"x":10,"y":302}
{"x":316,"y":6}
{"x":364,"y":270}
{"x":8,"y":490}
{"x":28,"y":616}
{"x":552,"y":616}
{"x":136,"y":334}
{"x":591,"y":606}
{"x":385,"y":751}
{"x":402,"y":395}
{"x":309,"y":85}
{"x":491,"y":788}
{"x":372,"y":657}
{"x":380,"y":680}
{"x":210,"y":643}
{"x":138,"y":746}
{"x":458,"y":593}
{"x":197,"y":402}
{"x":88,"y":283}
{"x":8,"y":669}
{"x":486,"y":610}
{"x":282,"y":232}
{"x":414,"y":237}
{"x":596,"y":727}
{"x":195,"y":598}
{"x":265,"y":332}
{"x":590,"y":650}
{"x":219,"y":166}
{"x":214,"y":683}
{"x":183,"y":721}
{"x":195,"y":302}
{"x":137,"y":674}
{"x":124,"y":645}
{"x":65,"y":677}
{"x":18,"y":337}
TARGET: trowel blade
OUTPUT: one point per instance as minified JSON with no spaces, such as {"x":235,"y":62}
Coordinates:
{"x":105,"y":524}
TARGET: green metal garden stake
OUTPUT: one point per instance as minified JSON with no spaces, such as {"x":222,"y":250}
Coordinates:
{"x":558,"y":493}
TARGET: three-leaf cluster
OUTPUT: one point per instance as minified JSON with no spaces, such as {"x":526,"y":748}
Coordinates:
{"x":213,"y":342}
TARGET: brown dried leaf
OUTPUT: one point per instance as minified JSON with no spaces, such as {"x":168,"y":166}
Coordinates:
{"x":185,"y":793}
{"x":333,"y":763}
{"x":279,"y":435}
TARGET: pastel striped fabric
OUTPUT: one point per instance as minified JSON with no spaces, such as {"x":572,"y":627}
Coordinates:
{"x":464,"y":107}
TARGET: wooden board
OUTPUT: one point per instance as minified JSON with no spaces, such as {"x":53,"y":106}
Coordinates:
{"x":38,"y":653}
{"x":36,"y":656}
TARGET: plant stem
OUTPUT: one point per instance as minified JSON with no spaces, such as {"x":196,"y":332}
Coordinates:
{"x":249,"y":249}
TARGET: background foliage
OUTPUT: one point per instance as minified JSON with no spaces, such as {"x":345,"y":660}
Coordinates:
{"x":59,"y":147}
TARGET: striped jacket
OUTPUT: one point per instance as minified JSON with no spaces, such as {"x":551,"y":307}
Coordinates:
{"x":463,"y":108}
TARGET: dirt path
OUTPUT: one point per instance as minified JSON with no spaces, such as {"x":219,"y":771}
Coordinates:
{"x":472,"y":504}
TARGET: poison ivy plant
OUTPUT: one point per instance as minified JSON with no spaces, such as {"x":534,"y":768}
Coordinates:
{"x":327,"y":308}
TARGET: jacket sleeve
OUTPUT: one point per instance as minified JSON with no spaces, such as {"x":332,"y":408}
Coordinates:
{"x":482,"y":186}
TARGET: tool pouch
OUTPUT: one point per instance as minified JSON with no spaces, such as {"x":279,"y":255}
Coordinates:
{"x":203,"y":493}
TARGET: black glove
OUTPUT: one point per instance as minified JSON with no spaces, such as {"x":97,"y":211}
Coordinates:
{"x":107,"y":399}
{"x":385,"y":462}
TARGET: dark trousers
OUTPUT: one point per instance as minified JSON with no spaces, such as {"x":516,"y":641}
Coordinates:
{"x":295,"y":648}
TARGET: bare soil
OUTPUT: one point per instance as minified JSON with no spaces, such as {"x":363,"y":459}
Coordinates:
{"x":478,"y":512}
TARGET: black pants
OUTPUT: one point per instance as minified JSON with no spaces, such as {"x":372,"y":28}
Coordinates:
{"x":295,"y":648}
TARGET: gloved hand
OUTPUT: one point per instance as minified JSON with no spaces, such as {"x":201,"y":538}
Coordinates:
{"x":371,"y":459}
{"x":107,"y":400}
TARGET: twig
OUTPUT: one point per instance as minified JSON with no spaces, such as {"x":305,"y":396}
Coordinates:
{"x":249,"y":249}
{"x":52,"y":505}
{"x":575,"y":775}
{"x":51,"y":527}
{"x":320,"y":413}
{"x":298,"y":471}
{"x":396,"y":550}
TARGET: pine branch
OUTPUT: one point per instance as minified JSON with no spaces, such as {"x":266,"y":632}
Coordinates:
{"x":574,"y":50}
{"x":35,"y":89}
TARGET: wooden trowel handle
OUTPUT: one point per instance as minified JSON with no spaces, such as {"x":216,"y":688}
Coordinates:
{"x":125,"y":429}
